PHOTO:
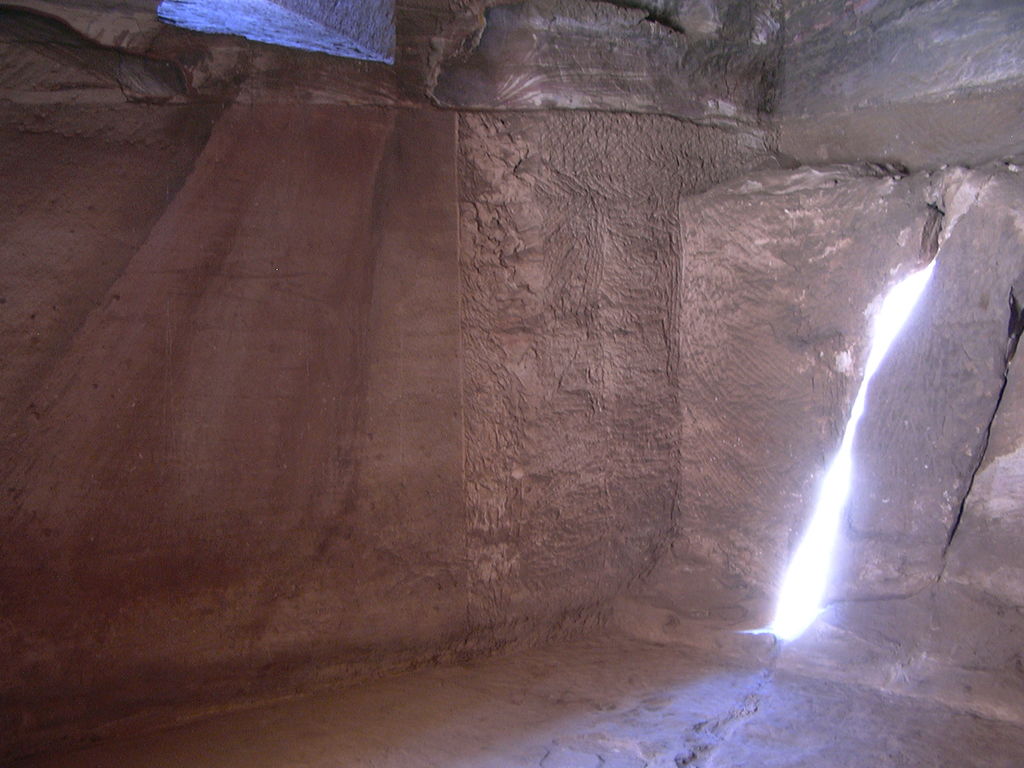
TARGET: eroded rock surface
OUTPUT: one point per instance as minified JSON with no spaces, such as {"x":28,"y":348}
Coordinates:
{"x":82,"y":188}
{"x":250,"y":456}
{"x":41,"y":57}
{"x":382,"y":387}
{"x":777,"y":271}
{"x":596,"y":703}
{"x":926,"y":422}
{"x":226,"y":67}
{"x":924,"y":84}
{"x":569,"y":283}
{"x":575,"y":54}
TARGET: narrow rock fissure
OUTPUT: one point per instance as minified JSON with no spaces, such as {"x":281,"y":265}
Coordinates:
{"x":931,"y":233}
{"x":867,"y":599}
{"x":1016,"y":323}
{"x":1014,"y":327}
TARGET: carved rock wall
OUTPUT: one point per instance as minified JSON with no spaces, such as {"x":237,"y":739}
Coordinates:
{"x":375,"y":387}
{"x":569,"y":279}
{"x":385,"y":386}
{"x":925,"y":595}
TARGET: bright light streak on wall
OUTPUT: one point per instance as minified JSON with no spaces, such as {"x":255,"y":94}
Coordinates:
{"x":803,"y":587}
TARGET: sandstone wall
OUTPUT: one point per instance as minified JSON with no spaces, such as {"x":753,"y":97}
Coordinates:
{"x":922,"y":83}
{"x":776,"y":274}
{"x":927,"y":594}
{"x":375,"y":387}
{"x":924,"y":596}
{"x":347,"y":389}
{"x":569,"y":283}
{"x":240,"y":473}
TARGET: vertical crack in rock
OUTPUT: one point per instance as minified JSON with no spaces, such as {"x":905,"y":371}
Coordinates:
{"x":931,"y":232}
{"x":1015,"y":325}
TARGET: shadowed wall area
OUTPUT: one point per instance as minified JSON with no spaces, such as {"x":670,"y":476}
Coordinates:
{"x":249,"y":453}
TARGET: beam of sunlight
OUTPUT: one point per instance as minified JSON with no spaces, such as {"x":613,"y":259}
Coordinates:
{"x":806,"y":579}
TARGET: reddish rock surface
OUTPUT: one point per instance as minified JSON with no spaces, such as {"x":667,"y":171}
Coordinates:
{"x":569,"y":273}
{"x":321,"y":421}
{"x":304,"y":380}
{"x":247,"y":457}
{"x":924,"y":595}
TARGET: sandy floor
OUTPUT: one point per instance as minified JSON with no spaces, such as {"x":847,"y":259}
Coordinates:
{"x":588,"y":704}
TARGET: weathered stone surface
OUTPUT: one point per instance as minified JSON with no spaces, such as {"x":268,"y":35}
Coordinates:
{"x":922,"y":83}
{"x":561,"y":53}
{"x":695,"y":18}
{"x":968,"y":129}
{"x":597,"y":703}
{"x":801,"y":722}
{"x":343,"y":409}
{"x":847,"y":55}
{"x":41,"y":59}
{"x":789,"y":266}
{"x":927,"y":601}
{"x":569,"y":290}
{"x":82,"y":187}
{"x":249,"y":456}
{"x":776,"y":288}
{"x":370,"y":23}
{"x":228,"y":67}
{"x":985,"y":549}
{"x":574,"y":54}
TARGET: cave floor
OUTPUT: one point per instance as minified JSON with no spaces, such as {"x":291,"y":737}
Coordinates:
{"x":607,"y":703}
